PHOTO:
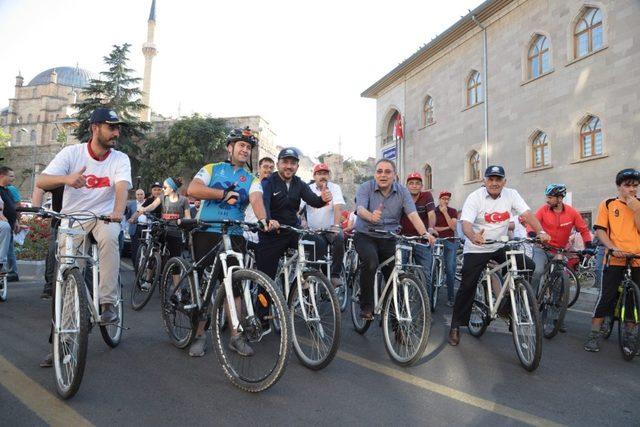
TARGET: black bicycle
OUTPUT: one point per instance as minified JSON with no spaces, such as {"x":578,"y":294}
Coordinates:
{"x":627,"y":313}
{"x":188,"y":288}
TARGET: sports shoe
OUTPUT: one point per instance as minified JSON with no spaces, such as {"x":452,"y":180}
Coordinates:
{"x":12,"y":278}
{"x":197,"y":346}
{"x":240,"y":346}
{"x":47,"y":362}
{"x":593,"y":341}
{"x":145,"y":286}
{"x":366,"y":313}
{"x":46,"y":292}
{"x":109,"y":314}
{"x":449,"y":303}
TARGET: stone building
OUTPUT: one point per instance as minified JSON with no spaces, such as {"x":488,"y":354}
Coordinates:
{"x":557,"y":100}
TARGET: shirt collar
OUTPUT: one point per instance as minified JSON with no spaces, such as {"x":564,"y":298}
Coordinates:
{"x":487,"y":195}
{"x":94,"y":156}
{"x":376,"y":187}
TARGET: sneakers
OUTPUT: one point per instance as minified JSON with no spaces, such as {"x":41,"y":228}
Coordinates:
{"x":197,"y":347}
{"x":47,"y":362}
{"x":240,"y":346}
{"x":366,"y":313}
{"x":145,"y":286}
{"x":454,"y":336}
{"x":12,"y":278}
{"x":109,"y":314}
{"x":593,"y":341}
{"x":449,"y":303}
{"x":46,"y":291}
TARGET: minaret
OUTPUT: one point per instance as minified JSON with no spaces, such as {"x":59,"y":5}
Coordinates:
{"x":149,"y":50}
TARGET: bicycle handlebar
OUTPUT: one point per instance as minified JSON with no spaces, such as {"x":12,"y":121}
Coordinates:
{"x":45,"y":213}
{"x":186,"y":223}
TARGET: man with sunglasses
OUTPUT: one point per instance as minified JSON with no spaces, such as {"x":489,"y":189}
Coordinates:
{"x":380,"y":203}
{"x":96,"y":178}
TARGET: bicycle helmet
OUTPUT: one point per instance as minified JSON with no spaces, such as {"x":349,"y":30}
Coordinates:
{"x":626,"y":175}
{"x":245,"y":135}
{"x":555,"y":190}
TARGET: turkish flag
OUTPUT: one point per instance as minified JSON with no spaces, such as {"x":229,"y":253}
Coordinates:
{"x":397,"y":128}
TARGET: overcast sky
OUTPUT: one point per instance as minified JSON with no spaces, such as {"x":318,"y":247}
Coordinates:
{"x":300,"y":65}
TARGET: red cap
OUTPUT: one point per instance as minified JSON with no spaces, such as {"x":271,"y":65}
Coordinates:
{"x":414,"y":175}
{"x":320,"y":167}
{"x":444,"y":193}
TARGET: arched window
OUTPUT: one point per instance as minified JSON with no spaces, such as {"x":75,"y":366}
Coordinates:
{"x":539,"y":57}
{"x":428,"y":177}
{"x":18,"y":136}
{"x":474,"y":89}
{"x":591,"y":137}
{"x":587,"y":35}
{"x":540,"y":153}
{"x":390,"y":128}
{"x":33,"y":136}
{"x":29,"y":118}
{"x":473,"y":165}
{"x":54,"y":134}
{"x":427,"y":112}
{"x":34,"y":93}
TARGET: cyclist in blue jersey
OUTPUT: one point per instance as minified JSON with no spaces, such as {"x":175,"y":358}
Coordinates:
{"x":225,"y":190}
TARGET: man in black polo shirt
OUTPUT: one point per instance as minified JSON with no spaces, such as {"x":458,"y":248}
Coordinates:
{"x":282,"y":192}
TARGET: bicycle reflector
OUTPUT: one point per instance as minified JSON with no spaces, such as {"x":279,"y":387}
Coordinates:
{"x":263,"y":300}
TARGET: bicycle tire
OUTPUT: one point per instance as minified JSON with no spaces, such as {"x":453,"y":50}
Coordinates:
{"x":529,"y":361}
{"x":552,"y":304}
{"x":73,"y":315}
{"x":573,"y":285}
{"x":253,"y":385}
{"x":342,"y":292}
{"x":173,"y":299}
{"x":421,"y":321}
{"x":140,"y":297}
{"x":433,"y":287}
{"x":4,"y":288}
{"x":359,"y":324}
{"x":479,"y":317}
{"x":324,"y":293}
{"x":629,"y":349}
{"x":112,"y":334}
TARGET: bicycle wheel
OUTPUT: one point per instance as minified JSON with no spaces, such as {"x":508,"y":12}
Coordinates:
{"x":112,"y":334}
{"x":434,"y":288}
{"x":628,"y":327}
{"x":359,"y":324}
{"x":342,"y":291}
{"x":316,"y":339}
{"x":149,"y":268}
{"x":406,"y":321}
{"x":4,"y":288}
{"x":587,"y":279}
{"x":459,"y":260}
{"x":479,"y":318}
{"x":573,"y":284}
{"x":266,"y":365}
{"x":525,"y":325}
{"x":552,"y":304}
{"x":178,"y":305}
{"x":71,"y":339}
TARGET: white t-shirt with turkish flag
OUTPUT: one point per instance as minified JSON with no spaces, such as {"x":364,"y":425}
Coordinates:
{"x":99,"y":194}
{"x":491,"y":215}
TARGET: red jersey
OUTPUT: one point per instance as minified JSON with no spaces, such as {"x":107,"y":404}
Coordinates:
{"x":424,"y":205}
{"x":558,"y":225}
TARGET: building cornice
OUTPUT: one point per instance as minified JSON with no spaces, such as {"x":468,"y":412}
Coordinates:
{"x":457,"y":30}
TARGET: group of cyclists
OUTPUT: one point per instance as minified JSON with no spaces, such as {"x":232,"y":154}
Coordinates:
{"x":94,"y":177}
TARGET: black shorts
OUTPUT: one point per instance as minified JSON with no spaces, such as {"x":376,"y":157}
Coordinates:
{"x":204,"y":241}
{"x":611,"y":278}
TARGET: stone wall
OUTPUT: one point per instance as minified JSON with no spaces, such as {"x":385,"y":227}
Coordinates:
{"x":21,"y":160}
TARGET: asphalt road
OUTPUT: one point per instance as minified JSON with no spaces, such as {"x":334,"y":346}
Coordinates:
{"x":146,"y":381}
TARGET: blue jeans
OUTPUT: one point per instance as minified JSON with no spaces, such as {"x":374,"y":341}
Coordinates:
{"x":423,"y":257}
{"x":12,"y":265}
{"x":450,"y":250}
{"x":5,"y":240}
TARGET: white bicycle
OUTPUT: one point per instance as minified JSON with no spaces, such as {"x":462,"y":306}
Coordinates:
{"x":77,"y":307}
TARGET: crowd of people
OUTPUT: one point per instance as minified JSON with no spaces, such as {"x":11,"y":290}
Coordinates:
{"x":95,"y":177}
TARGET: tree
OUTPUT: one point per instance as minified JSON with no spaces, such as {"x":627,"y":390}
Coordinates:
{"x":190,"y":143}
{"x":4,"y":138}
{"x":118,"y":90}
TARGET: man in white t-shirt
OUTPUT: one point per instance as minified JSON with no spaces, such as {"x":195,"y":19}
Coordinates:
{"x":96,"y":179}
{"x":327,"y":217}
{"x":486,"y":215}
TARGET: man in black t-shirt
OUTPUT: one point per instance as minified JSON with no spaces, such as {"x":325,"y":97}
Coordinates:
{"x":8,"y":215}
{"x":156,"y":191}
{"x":50,"y":263}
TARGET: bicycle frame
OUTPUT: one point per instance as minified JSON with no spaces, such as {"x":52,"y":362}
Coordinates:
{"x":392,"y":282}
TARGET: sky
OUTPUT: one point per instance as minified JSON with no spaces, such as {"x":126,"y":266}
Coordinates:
{"x":300,"y":65}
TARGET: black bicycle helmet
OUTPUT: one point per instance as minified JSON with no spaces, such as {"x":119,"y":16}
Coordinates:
{"x":555,"y":190}
{"x":245,"y":135}
{"x":626,"y":175}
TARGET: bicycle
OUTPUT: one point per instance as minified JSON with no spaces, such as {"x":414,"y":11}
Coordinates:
{"x":76,"y":312}
{"x":350,"y":264}
{"x":585,"y":270}
{"x":403,"y":303}
{"x":525,"y":319}
{"x":152,"y":253}
{"x":185,"y":302}
{"x":312,"y":301}
{"x":438,"y":269}
{"x":4,"y":287}
{"x":627,"y":311}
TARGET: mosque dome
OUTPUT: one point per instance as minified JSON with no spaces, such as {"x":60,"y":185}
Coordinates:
{"x":67,"y":76}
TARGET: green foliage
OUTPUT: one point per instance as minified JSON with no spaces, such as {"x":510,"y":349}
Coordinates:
{"x":62,"y":137}
{"x":4,"y":138}
{"x":190,"y":143}
{"x":116,"y":89}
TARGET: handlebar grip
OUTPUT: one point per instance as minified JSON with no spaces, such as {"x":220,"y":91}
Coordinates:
{"x":187,"y":221}
{"x":28,"y":209}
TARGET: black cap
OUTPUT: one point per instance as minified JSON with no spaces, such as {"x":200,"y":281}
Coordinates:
{"x":289,"y":152}
{"x":105,"y":115}
{"x":494,"y":170}
{"x":156,"y":184}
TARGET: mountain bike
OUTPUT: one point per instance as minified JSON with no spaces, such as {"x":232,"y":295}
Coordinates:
{"x":512,"y":290}
{"x":403,"y":303}
{"x":349,"y":267}
{"x":152,"y":252}
{"x":187,"y":289}
{"x":313,"y":305}
{"x":77,"y":307}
